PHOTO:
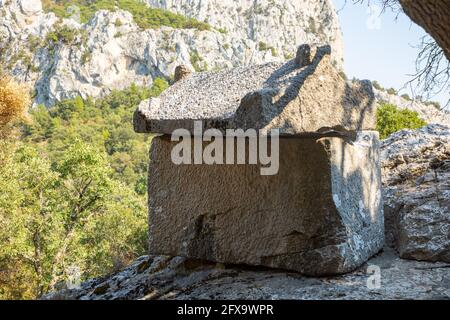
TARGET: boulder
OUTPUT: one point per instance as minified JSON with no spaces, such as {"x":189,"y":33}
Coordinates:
{"x":416,"y":178}
{"x":302,"y":95}
{"x":320,"y":215}
{"x":30,"y":7}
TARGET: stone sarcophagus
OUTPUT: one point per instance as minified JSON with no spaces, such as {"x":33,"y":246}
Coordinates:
{"x":319,"y":212}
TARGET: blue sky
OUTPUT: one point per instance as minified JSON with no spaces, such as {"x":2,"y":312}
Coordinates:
{"x":379,"y":46}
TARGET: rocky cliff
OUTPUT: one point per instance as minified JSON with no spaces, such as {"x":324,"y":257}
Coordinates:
{"x":63,"y":58}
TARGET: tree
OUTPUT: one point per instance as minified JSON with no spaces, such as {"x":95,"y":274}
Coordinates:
{"x":30,"y":214}
{"x":433,"y":61}
{"x":71,"y":216}
{"x":434,"y":17}
{"x":73,"y":193}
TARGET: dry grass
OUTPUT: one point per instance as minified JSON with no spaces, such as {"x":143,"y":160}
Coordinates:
{"x":14,"y":101}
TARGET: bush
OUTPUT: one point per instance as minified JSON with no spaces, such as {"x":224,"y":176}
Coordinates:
{"x":377,"y":86}
{"x":435,"y":104}
{"x":14,"y":100}
{"x":391,"y":91}
{"x":197,"y":62}
{"x":262,"y":46}
{"x":406,"y":97}
{"x":390,"y":119}
{"x":343,"y":75}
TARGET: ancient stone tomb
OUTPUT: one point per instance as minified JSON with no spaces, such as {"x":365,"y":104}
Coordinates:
{"x":320,"y":214}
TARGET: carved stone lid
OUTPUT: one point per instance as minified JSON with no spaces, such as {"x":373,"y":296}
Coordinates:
{"x":305,"y":94}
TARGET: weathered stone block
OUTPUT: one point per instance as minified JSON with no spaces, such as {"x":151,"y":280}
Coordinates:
{"x":320,"y":215}
{"x":305,"y":94}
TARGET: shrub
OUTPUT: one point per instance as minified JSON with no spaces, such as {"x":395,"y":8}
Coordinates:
{"x":14,"y":100}
{"x":288,"y":56}
{"x":343,"y":75}
{"x":391,"y":91}
{"x":118,"y":23}
{"x":222,"y":30}
{"x":390,"y":119}
{"x":435,"y":104}
{"x":377,"y":86}
{"x":274,"y":52}
{"x":197,"y":62}
{"x":406,"y":97}
{"x":263,"y":46}
{"x":61,"y":34}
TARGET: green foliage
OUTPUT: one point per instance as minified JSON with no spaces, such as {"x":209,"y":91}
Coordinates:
{"x":144,"y":16}
{"x":66,"y":35}
{"x":274,"y":52}
{"x":377,"y":86}
{"x":391,"y":91}
{"x":262,"y":46}
{"x":390,"y":119}
{"x":288,"y":56}
{"x":406,"y":96}
{"x":73,"y":193}
{"x":118,"y":23}
{"x":312,"y":26}
{"x":197,"y":62}
{"x":435,"y":104}
{"x":86,"y":56}
{"x":222,"y":30}
{"x":343,"y":75}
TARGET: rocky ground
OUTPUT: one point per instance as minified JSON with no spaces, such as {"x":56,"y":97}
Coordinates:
{"x":416,"y":180}
{"x":161,"y":277}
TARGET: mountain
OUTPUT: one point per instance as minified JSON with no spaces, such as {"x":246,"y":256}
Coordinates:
{"x":62,"y":56}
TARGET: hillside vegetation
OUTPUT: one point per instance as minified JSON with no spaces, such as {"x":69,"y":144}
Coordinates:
{"x":73,"y":183}
{"x":144,"y":16}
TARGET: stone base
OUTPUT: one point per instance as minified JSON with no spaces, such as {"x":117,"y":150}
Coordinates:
{"x":320,"y":215}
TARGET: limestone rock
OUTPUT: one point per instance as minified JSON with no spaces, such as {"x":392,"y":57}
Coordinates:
{"x":294,"y":98}
{"x":416,"y":178}
{"x":257,"y":21}
{"x":30,"y":7}
{"x":321,"y":214}
{"x":114,"y":55}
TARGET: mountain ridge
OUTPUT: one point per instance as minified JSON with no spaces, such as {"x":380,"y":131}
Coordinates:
{"x":111,"y":51}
